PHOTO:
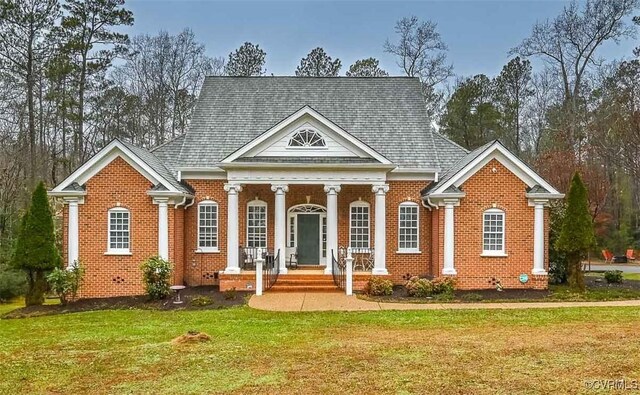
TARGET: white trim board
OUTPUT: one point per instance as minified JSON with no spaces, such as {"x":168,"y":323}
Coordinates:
{"x":105,"y":156}
{"x":339,"y":134}
{"x":510,"y":161}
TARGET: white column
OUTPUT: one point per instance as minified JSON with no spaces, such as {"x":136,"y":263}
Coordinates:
{"x":259,"y":264}
{"x":380,"y":242}
{"x":280,"y":223}
{"x":233,"y":266}
{"x":332,"y":224}
{"x":163,"y":228}
{"x":72,"y":233}
{"x":538,"y":238}
{"x":449,"y":244}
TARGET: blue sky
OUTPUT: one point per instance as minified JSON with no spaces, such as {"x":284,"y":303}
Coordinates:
{"x":479,"y":33}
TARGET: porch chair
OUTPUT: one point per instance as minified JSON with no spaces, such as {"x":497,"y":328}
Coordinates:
{"x":631,"y":254}
{"x":293,"y":259}
{"x":608,"y":256}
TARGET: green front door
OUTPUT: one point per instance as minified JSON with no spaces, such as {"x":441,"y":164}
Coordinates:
{"x":308,"y":239}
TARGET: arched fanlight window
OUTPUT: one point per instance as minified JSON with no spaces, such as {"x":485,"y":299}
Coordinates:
{"x":307,"y":138}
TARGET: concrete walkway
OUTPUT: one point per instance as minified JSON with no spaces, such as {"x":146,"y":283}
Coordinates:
{"x":340,"y":302}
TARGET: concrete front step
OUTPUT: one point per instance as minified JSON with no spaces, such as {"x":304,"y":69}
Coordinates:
{"x":292,"y":282}
{"x":306,"y":288}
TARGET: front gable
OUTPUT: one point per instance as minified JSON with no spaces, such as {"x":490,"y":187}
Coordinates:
{"x":306,"y":134}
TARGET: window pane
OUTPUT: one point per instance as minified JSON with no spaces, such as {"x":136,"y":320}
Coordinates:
{"x":359,"y":229}
{"x":408,"y":227}
{"x":257,"y":226}
{"x":208,"y":225}
{"x":118,"y":229}
{"x":493,"y":232}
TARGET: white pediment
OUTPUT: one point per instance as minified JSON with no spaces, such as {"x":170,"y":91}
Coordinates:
{"x":306,"y":133}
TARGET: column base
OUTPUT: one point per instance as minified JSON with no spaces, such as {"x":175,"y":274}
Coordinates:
{"x":284,"y":270}
{"x":539,"y":272}
{"x":232,"y":270}
{"x":328,"y":270}
{"x":449,"y":272}
{"x":379,"y":272}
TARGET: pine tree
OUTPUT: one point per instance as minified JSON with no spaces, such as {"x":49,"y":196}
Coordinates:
{"x":576,"y":235}
{"x":246,"y":61}
{"x":36,"y":253}
{"x":318,"y":64}
{"x":366,"y":68}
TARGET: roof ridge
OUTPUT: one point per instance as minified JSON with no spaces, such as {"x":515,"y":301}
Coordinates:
{"x":167,"y":142}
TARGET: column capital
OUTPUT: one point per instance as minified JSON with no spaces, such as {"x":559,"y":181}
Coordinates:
{"x":233,"y":188}
{"x":538,"y":202}
{"x":161,"y":200}
{"x":380,"y":189}
{"x":73,"y":200}
{"x":332,"y":188}
{"x":280,"y":188}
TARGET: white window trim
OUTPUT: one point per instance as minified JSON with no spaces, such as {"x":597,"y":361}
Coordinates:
{"x":360,"y":203}
{"x":117,"y":251}
{"x":208,"y":249}
{"x":409,"y":250}
{"x":494,"y":253}
{"x":309,"y":147}
{"x":258,"y":203}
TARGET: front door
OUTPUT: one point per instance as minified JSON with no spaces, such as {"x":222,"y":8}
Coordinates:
{"x":308,"y":239}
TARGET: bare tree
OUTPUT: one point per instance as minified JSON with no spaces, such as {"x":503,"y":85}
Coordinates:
{"x":420,"y":52}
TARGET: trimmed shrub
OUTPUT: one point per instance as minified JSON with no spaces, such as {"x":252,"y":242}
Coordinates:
{"x":12,"y":283}
{"x":613,"y":276}
{"x":230,"y":294}
{"x":423,"y":288}
{"x":378,"y":286}
{"x":156,"y":276}
{"x":65,"y":283}
{"x":419,"y":287}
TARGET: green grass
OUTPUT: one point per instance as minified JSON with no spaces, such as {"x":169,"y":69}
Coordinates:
{"x":626,"y":276}
{"x":460,"y":351}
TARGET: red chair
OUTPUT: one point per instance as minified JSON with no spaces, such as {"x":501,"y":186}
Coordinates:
{"x":608,"y":256}
{"x":631,"y":254}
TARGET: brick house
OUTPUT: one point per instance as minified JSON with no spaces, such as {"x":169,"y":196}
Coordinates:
{"x":304,"y":167}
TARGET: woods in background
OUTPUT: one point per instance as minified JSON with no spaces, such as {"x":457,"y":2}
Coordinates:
{"x":70,"y":81}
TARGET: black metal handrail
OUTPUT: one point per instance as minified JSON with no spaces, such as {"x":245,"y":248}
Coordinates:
{"x":338,"y":271}
{"x":270,"y":270}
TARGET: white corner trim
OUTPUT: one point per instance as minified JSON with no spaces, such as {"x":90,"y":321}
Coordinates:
{"x":505,"y":157}
{"x":306,"y":110}
{"x":100,"y":160}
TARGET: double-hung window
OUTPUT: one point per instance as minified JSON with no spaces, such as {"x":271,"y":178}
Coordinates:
{"x":119,"y":231}
{"x":359,"y":215}
{"x":493,"y":232}
{"x":208,"y":226}
{"x":408,"y":231}
{"x":257,"y":224}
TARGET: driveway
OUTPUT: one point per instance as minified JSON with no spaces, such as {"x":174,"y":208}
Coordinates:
{"x":629,"y":268}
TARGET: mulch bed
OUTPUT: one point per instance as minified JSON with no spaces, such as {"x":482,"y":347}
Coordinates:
{"x":400,"y":295}
{"x":210,"y":298}
{"x":599,"y":282}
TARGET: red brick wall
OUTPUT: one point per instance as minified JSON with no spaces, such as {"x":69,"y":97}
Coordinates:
{"x":110,"y":275}
{"x":483,"y":190}
{"x":200,"y":268}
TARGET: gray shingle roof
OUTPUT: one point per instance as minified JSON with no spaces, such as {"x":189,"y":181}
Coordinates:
{"x":537,"y":189}
{"x":457,"y":166}
{"x":156,"y":164}
{"x":388,"y":114}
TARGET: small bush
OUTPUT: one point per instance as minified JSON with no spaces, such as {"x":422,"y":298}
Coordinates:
{"x":613,"y":276}
{"x":201,"y":301}
{"x":443,"y":285}
{"x":419,"y":287}
{"x":378,"y":286}
{"x":12,"y":283}
{"x":558,"y":272}
{"x":65,"y":283}
{"x":156,"y":274}
{"x":423,"y":288}
{"x":230,"y":294}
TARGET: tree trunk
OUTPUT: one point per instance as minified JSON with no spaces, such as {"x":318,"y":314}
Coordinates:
{"x":574,"y":273}
{"x":37,"y":289}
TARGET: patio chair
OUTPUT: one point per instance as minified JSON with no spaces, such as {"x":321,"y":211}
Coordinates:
{"x":631,"y":254}
{"x":608,"y":256}
{"x":293,"y":259}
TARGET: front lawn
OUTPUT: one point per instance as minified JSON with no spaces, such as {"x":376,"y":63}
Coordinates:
{"x":250,"y":351}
